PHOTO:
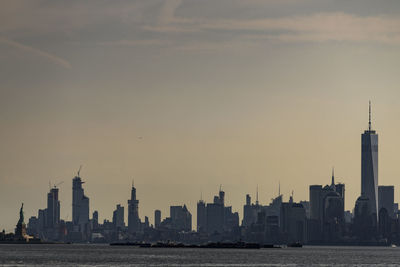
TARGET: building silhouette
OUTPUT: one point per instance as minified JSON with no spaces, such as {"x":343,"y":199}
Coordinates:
{"x":157,"y":218}
{"x":201,"y":217}
{"x":386,"y":212}
{"x":326,"y":222}
{"x":118,"y":217}
{"x":250,"y":212}
{"x":80,"y":204}
{"x":364,"y":225}
{"x":369,"y":167}
{"x":53,"y":208}
{"x":181,"y":218}
{"x":215,"y":214}
{"x":386,"y":199}
{"x":215,"y":218}
{"x":293,"y":222}
{"x":95,"y":219}
{"x":134,"y":222}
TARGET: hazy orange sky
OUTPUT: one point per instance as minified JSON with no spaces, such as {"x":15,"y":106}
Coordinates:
{"x":186,"y":95}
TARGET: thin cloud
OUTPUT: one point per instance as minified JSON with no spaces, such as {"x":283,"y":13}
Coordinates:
{"x":321,"y":27}
{"x":54,"y":59}
{"x":143,"y":42}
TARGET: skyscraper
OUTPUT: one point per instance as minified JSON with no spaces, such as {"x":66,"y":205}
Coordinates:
{"x":157,"y":218}
{"x":315,"y":202}
{"x":386,"y":199}
{"x":133,"y":212}
{"x":293,"y":222}
{"x":201,"y":216}
{"x":326,"y":211}
{"x":181,"y":218}
{"x":118,"y":217}
{"x":80,"y":203}
{"x":250,"y":212}
{"x":53,"y":208}
{"x":369,"y":167}
{"x":95,"y":219}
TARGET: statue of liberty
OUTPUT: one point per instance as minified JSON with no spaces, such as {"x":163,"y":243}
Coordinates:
{"x":20,"y":230}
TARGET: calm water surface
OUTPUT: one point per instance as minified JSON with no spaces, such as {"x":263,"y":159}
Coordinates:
{"x":104,"y":255}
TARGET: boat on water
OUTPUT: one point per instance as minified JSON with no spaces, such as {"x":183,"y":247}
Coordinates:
{"x":134,"y":244}
{"x":239,"y":245}
{"x":226,"y":245}
{"x":271,"y":246}
{"x":295,"y":245}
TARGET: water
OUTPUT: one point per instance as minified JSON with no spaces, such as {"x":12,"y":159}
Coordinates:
{"x":104,"y":255}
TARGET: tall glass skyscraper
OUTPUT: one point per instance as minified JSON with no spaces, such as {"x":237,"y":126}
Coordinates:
{"x":369,"y":166}
{"x":133,"y":212}
{"x":80,"y":203}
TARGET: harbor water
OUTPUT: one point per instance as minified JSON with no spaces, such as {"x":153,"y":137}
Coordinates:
{"x":105,"y":255}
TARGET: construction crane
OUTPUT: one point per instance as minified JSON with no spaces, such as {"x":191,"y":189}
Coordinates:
{"x":55,"y":186}
{"x":80,"y":167}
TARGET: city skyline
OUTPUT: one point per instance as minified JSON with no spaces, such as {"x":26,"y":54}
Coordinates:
{"x":82,"y":212}
{"x":321,"y":219}
{"x":183,"y":97}
{"x":77,"y":180}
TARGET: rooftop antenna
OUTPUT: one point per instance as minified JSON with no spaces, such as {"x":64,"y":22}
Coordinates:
{"x":49,"y":185}
{"x":369,"y":121}
{"x":279,"y":189}
{"x":220,"y":187}
{"x":133,"y":182}
{"x":291,"y":198}
{"x":333,"y":175}
{"x":257,"y":196}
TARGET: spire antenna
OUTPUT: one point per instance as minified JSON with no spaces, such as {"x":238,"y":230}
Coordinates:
{"x":279,"y":189}
{"x":369,"y":120}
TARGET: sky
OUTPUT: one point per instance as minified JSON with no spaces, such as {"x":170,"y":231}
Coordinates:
{"x":183,"y":96}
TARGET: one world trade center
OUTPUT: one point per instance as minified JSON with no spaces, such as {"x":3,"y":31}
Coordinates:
{"x":369,"y":166}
